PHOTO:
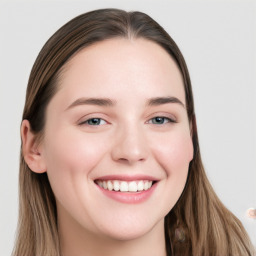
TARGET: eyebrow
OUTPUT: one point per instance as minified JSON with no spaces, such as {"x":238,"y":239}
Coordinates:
{"x":164,"y":100}
{"x":106,"y":102}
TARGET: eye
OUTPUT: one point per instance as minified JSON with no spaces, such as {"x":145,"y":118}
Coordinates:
{"x":94,"y":121}
{"x":161,"y":120}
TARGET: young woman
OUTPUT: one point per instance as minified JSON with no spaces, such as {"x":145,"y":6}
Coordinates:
{"x":110,"y":160}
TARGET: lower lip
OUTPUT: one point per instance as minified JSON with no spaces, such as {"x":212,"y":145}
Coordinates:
{"x":129,"y":197}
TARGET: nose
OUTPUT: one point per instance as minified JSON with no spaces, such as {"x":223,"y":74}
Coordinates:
{"x":130,"y":146}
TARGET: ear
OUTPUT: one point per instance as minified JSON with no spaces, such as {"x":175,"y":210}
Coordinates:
{"x":31,"y":150}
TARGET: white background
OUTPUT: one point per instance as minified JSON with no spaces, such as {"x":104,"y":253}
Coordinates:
{"x":218,"y":40}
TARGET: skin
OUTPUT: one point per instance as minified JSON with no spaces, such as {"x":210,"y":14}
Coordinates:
{"x":126,"y":141}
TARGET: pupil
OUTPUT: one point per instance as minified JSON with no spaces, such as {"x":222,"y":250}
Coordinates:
{"x":159,"y":120}
{"x":95,"y":121}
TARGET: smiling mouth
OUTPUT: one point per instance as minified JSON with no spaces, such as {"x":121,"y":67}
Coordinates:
{"x":125,"y":186}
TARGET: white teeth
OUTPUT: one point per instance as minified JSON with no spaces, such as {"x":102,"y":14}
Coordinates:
{"x":110,"y":185}
{"x":132,"y":186}
{"x":146,"y":185}
{"x":124,"y":186}
{"x":140,"y":185}
{"x":116,"y":185}
{"x":105,"y":184}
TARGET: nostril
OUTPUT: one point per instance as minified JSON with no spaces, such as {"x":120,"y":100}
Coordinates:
{"x":131,"y":159}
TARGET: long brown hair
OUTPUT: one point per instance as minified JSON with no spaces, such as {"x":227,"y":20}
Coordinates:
{"x":199,"y":224}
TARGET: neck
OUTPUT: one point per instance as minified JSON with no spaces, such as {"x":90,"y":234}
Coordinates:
{"x":76,"y":241}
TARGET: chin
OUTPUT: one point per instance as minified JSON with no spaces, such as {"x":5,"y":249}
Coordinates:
{"x":129,"y":231}
{"x":126,"y":235}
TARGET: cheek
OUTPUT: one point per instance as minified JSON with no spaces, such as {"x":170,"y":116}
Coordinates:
{"x":72,"y":150}
{"x":174,"y":152}
{"x":70,"y":156}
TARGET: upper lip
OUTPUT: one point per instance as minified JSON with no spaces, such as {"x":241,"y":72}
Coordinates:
{"x":128,"y":177}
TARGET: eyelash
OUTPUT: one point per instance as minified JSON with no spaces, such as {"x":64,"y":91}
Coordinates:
{"x":86,"y":122}
{"x":95,"y":119}
{"x":167,"y":119}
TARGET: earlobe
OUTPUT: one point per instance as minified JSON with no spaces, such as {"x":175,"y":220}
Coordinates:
{"x":30,"y":149}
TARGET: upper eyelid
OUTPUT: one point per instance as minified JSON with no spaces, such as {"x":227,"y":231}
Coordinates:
{"x":91,"y":116}
{"x":164,"y":115}
{"x":88,"y":119}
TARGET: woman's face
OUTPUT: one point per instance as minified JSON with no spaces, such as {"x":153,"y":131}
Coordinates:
{"x":119,"y":121}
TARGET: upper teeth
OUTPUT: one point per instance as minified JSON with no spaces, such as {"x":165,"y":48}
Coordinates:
{"x":125,"y":186}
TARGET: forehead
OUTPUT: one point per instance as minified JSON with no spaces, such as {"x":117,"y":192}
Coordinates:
{"x":122,"y":66}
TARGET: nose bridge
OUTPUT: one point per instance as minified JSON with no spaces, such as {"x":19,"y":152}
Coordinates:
{"x":131,"y":144}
